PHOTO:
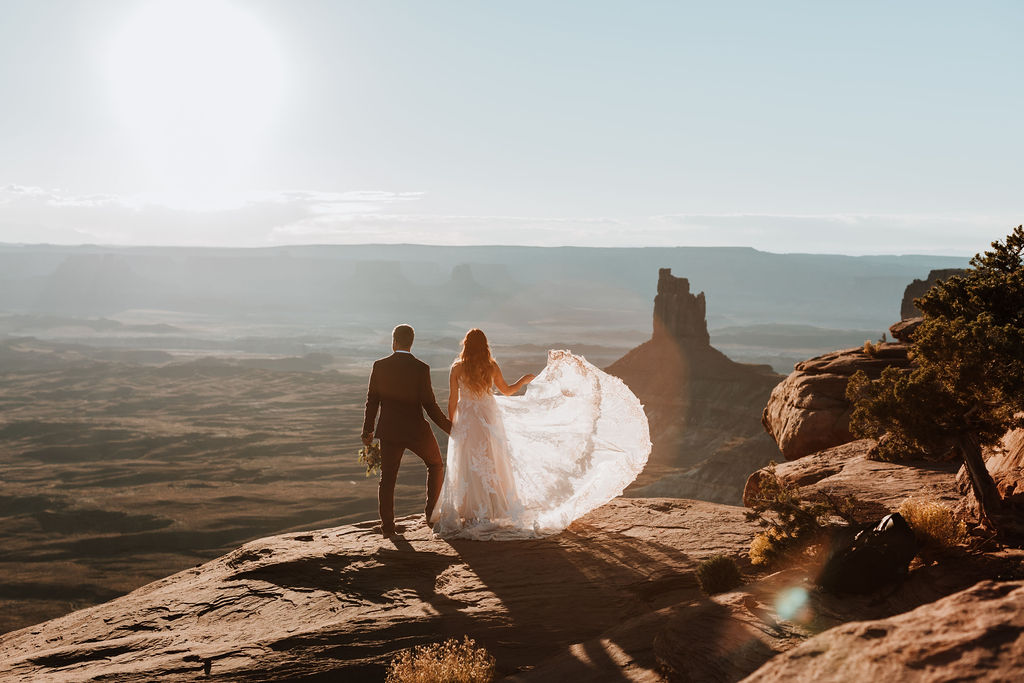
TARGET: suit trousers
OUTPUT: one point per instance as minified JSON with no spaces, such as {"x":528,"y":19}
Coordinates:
{"x":391,"y":452}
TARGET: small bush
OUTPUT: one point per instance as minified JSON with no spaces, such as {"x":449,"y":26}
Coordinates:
{"x":763,"y":549}
{"x":718,"y":574}
{"x":451,"y":661}
{"x":794,"y":525}
{"x":933,"y":523}
{"x":870,"y":348}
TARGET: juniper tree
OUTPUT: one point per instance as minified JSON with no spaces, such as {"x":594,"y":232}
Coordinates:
{"x":966,"y":386}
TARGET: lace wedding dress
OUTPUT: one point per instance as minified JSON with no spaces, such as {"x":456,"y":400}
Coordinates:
{"x":527,"y":466}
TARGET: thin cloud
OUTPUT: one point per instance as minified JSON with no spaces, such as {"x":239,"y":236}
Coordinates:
{"x":32,"y":214}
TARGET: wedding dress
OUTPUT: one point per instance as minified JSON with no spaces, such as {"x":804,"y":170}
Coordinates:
{"x":527,"y":466}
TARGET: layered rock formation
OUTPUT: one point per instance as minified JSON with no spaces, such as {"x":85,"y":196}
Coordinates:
{"x":974,"y":635}
{"x":808,"y":411}
{"x":702,"y":407}
{"x":917,"y":289}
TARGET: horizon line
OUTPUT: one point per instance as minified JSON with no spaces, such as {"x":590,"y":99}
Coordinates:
{"x":316,"y":245}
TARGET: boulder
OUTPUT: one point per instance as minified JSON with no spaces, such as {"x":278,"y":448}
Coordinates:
{"x":808,"y":411}
{"x":974,"y":635}
{"x":904,"y":330}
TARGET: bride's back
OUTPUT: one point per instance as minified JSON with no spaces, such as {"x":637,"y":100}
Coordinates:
{"x":475,"y":364}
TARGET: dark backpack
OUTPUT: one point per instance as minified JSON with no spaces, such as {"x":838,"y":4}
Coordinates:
{"x":864,"y":559}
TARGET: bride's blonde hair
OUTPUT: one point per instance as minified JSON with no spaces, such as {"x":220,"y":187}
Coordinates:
{"x":475,"y":357}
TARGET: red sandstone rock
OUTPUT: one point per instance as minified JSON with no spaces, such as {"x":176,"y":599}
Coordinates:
{"x":702,"y":407}
{"x":974,"y":635}
{"x":339,"y":603}
{"x":904,"y":330}
{"x":808,"y":411}
{"x":877,"y":487}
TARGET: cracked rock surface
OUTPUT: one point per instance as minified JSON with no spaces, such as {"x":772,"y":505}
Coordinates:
{"x":339,"y":603}
{"x":976,"y":634}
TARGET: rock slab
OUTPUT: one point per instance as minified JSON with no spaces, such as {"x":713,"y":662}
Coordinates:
{"x":974,"y":635}
{"x":876,"y":487}
{"x":339,"y":603}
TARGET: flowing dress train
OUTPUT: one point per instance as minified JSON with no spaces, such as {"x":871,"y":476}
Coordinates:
{"x":527,"y":466}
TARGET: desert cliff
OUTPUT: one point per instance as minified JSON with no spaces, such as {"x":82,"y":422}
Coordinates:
{"x":613,"y":598}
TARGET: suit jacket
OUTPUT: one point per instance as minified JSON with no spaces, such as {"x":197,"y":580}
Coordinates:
{"x":400,"y":388}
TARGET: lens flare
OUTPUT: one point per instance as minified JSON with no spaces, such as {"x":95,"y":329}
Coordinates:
{"x":790,"y":602}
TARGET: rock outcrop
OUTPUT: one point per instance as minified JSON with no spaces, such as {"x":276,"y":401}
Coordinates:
{"x":613,"y":598}
{"x":808,"y":411}
{"x":339,"y":603}
{"x":876,"y":487}
{"x":904,"y":330}
{"x":702,"y":407}
{"x":973,"y":635}
{"x":917,"y":289}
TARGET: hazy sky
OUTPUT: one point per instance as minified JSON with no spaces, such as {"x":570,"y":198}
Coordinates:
{"x":812,"y":126}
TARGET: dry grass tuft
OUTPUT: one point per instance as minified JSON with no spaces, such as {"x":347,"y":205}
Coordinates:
{"x":718,"y":574}
{"x":762,"y":548}
{"x":451,"y":661}
{"x":933,"y":523}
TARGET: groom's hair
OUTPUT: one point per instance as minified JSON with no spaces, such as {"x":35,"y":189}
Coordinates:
{"x":403,"y":336}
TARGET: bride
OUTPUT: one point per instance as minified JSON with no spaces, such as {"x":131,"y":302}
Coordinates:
{"x":527,"y":466}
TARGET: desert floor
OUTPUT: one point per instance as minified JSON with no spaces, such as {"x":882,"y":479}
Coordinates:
{"x":116,"y":470}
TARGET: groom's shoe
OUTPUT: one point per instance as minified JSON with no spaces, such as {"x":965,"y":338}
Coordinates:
{"x":388,"y":532}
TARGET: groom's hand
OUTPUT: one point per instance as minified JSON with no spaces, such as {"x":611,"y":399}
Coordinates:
{"x":367,"y":439}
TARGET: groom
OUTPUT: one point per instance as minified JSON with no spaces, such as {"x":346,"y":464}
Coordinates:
{"x":400,"y":389}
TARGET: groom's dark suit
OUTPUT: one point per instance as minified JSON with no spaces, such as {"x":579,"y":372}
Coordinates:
{"x":400,"y":388}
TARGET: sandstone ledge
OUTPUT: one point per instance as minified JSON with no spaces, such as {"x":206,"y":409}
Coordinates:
{"x":876,"y":487}
{"x":340,"y":602}
{"x":973,"y":635}
{"x":613,"y":598}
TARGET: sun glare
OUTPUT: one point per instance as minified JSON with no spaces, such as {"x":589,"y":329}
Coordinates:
{"x":197,"y":83}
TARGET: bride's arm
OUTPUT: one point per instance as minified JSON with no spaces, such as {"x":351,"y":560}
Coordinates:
{"x":453,"y":391}
{"x":503,"y":386}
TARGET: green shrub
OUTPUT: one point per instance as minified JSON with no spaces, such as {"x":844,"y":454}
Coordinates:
{"x":793,"y":524}
{"x":451,"y":661}
{"x":718,"y":574}
{"x":965,"y":388}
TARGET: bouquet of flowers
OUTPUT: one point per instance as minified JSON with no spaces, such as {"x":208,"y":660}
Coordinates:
{"x":370,"y":456}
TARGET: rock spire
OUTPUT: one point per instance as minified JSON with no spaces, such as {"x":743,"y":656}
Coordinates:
{"x":679,"y":315}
